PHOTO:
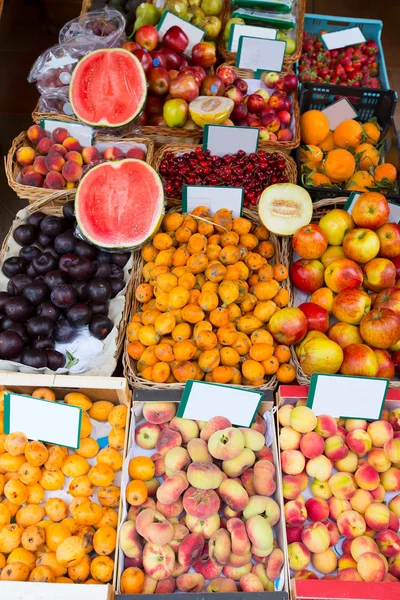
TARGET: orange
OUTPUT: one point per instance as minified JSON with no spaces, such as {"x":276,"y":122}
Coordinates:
{"x":282,"y":353}
{"x":132,"y":581}
{"x":318,"y":180}
{"x":286,"y":374}
{"x":372,"y":131}
{"x":360,"y":179}
{"x":136,"y":492}
{"x":271,"y":365}
{"x":311,"y":153}
{"x":328,"y":143}
{"x":141,"y":467}
{"x":348,"y":134}
{"x":385,"y":173}
{"x":339,"y":165}
{"x":314,"y":127}
{"x":367,"y":156}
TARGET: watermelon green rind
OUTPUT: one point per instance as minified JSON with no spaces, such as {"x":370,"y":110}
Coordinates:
{"x":132,"y":87}
{"x":119,"y":205}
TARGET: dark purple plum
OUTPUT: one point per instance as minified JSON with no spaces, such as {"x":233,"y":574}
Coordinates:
{"x":18,"y":309}
{"x":116,"y":271}
{"x":15,"y":265}
{"x":102,"y":270}
{"x":39,"y":326}
{"x":44,"y":240}
{"x":120,"y":258}
{"x":65,"y":242}
{"x":21,"y":330}
{"x":53,"y":278}
{"x":63,"y":295}
{"x":79,"y":314}
{"x":34,"y":358}
{"x":84,"y":249}
{"x":64,"y":332}
{"x":36,"y":292}
{"x":52,"y":226}
{"x":81,"y":289}
{"x":103,"y":256}
{"x":80,"y":269}
{"x":11,"y":345}
{"x":4,"y":296}
{"x":68,"y":210}
{"x":44,"y":264}
{"x":99,"y":291}
{"x":25,"y":235}
{"x":100,"y":326}
{"x":100,"y":309}
{"x":31,"y":271}
{"x":55,"y":360}
{"x":117,"y":285}
{"x":36,"y":218}
{"x":28,"y":253}
{"x":48,"y":310}
{"x":6,"y":323}
{"x":43,"y":343}
{"x":17,"y":284}
{"x":65,"y":261}
{"x":50,"y":250}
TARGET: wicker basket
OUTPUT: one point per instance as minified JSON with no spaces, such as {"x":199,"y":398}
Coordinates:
{"x":130,"y":371}
{"x":288,"y":60}
{"x":32,"y":194}
{"x":290,"y":170}
{"x":45,"y":205}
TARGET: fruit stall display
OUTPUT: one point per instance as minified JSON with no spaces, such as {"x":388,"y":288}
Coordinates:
{"x":201,"y":505}
{"x":291,"y":34}
{"x":204,"y":290}
{"x":337,"y":325}
{"x":60,"y":507}
{"x":42,"y":164}
{"x":341,"y":485}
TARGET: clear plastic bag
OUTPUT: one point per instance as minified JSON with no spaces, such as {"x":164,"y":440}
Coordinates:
{"x":107,"y":25}
{"x":56,"y":101}
{"x":53,"y":69}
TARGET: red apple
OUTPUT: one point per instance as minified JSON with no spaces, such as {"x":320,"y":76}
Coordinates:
{"x":158,"y":120}
{"x":310,"y":241}
{"x":176,"y":39}
{"x":396,"y":262}
{"x":264,"y":94}
{"x":344,"y":334}
{"x":192,"y":71}
{"x":285,"y":135}
{"x":370,"y":210}
{"x":386,"y":366}
{"x":380,"y":328}
{"x":379,"y":273}
{"x":389,"y":298}
{"x":284,"y":117}
{"x":241,"y":85}
{"x":264,"y":134}
{"x":307,"y":275}
{"x":389,"y":237}
{"x":270,"y":122}
{"x":185,"y":62}
{"x":351,"y":305}
{"x":361,"y":245}
{"x":173,"y":59}
{"x":253,"y":121}
{"x":158,"y":80}
{"x":233,"y":94}
{"x":277,"y":102}
{"x":159,"y":59}
{"x":204,"y":55}
{"x":288,"y":105}
{"x":239,"y":112}
{"x":343,"y":273}
{"x":144,"y":58}
{"x":185,"y":87}
{"x":255,"y":103}
{"x":317,"y":317}
{"x":396,"y":359}
{"x":271,"y":79}
{"x":359,"y":360}
{"x":147,"y":37}
{"x":154,"y":106}
{"x":227,"y":74}
{"x":288,"y":326}
{"x":290,"y":83}
{"x":200,"y":71}
{"x":131,"y":46}
{"x":212,"y":85}
{"x":173,"y":74}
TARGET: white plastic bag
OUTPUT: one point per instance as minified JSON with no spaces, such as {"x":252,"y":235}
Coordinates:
{"x":106,"y":25}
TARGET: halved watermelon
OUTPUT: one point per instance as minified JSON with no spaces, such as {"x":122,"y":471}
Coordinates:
{"x":119,"y":204}
{"x":108,"y":88}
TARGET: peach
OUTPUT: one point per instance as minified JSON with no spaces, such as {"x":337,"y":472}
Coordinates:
{"x":379,"y":493}
{"x":351,"y":524}
{"x":39,"y":166}
{"x":150,"y":584}
{"x":394,"y":505}
{"x":58,"y":149}
{"x":44,"y":145}
{"x":325,"y":562}
{"x":299,"y":556}
{"x":204,"y":475}
{"x":371,"y":567}
{"x":316,"y":537}
{"x":319,"y":467}
{"x":320,"y":489}
{"x":179,"y":570}
{"x":390,"y":480}
{"x":71,"y":143}
{"x":222,"y":585}
{"x":292,"y":462}
{"x":146,"y":435}
{"x":167,"y":440}
{"x":394,"y":568}
{"x":229,"y":513}
{"x":302,"y":419}
{"x":170,"y":510}
{"x":346,"y":561}
{"x":388,"y":543}
{"x":206,"y":567}
{"x":333,"y":532}
{"x":35,"y":133}
{"x":291,"y":487}
{"x":213,"y":425}
{"x":254,"y":440}
{"x":312,"y":444}
{"x":170,"y":490}
{"x":152,"y":486}
{"x":335,"y":448}
{"x":306,"y":574}
{"x":259,"y":532}
{"x":113,"y":153}
{"x":158,"y":561}
{"x":289,"y":439}
{"x":380,"y":432}
{"x":392,"y":450}
{"x":154,"y":527}
{"x":394,"y":522}
{"x":366,"y":477}
{"x":284,"y":415}
{"x":186,"y":427}
{"x":295,"y":512}
{"x":129,"y":540}
{"x":159,"y":412}
{"x":359,"y":442}
{"x":317,"y":509}
{"x":236,"y":573}
{"x":233,"y":494}
{"x":251,"y":583}
{"x":159,"y":464}
{"x":166,"y":586}
{"x":394,"y":418}
{"x":226,"y":444}
{"x":352,"y":424}
{"x":247,"y":479}
{"x":361,"y":500}
{"x":54,"y":181}
{"x":239,"y":538}
{"x":264,"y":478}
{"x":90,"y":154}
{"x":378,"y":460}
{"x":33,"y":179}
{"x":346,"y":545}
{"x":54,"y":162}
{"x":326,"y":426}
{"x":190,"y":582}
{"x":349,"y":574}
{"x":176,"y":459}
{"x":204,"y":526}
{"x":71,"y":171}
{"x":348,"y":464}
{"x":234,"y":467}
{"x":361,"y":545}
{"x":198,"y":451}
{"x":190,"y":549}
{"x":342,"y":485}
{"x":135,"y":510}
{"x":25,"y":156}
{"x":260,"y":570}
{"x":76,"y":156}
{"x":219,"y":547}
{"x":201,"y":504}
{"x":59,"y":135}
{"x":180,"y":533}
{"x":377,"y":516}
{"x":259,"y":425}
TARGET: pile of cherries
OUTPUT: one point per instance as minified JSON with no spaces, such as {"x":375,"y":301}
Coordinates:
{"x":254,"y":172}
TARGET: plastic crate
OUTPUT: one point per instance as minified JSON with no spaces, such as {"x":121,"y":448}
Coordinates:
{"x":368,"y":103}
{"x":371,"y":29}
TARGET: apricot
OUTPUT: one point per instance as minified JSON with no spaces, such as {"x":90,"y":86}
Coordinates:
{"x":75,"y":465}
{"x":229,"y":357}
{"x":101,"y":475}
{"x":5,"y":517}
{"x":56,"y":509}
{"x":261,"y":351}
{"x":116,"y":438}
{"x":162,"y":241}
{"x":110,"y":457}
{"x":81,"y":486}
{"x":31,"y":514}
{"x":42,"y":574}
{"x":52,"y":480}
{"x":229,"y":255}
{"x":109,"y":519}
{"x":222,"y":374}
{"x":33,"y":538}
{"x":223,"y":217}
{"x":56,"y":458}
{"x":88,"y":447}
{"x":86,"y":533}
{"x":71,"y":524}
{"x":35,"y":493}
{"x":10,"y":537}
{"x":227,"y":335}
{"x":10,"y":463}
{"x":80,"y":572}
{"x":15,"y":443}
{"x":70,"y":551}
{"x":109,"y":496}
{"x":249,"y":240}
{"x":172,"y":221}
{"x":78,"y":399}
{"x":88,"y":513}
{"x":55,"y":534}
{"x":29,"y":474}
{"x":36,"y":453}
{"x":104,"y":540}
{"x":241,"y":226}
{"x":15,"y":491}
{"x":102,"y":568}
{"x":16,"y":571}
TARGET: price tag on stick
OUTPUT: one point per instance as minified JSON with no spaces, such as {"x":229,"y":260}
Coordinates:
{"x":223,"y":139}
{"x":195,"y":34}
{"x":238,"y":31}
{"x":342,"y":38}
{"x":260,"y":55}
{"x":213,"y":198}
{"x":339,"y":111}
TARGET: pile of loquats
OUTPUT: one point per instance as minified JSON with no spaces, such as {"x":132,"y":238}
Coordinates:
{"x":340,"y":480}
{"x":201,"y":509}
{"x":43,"y":536}
{"x":210,"y":289}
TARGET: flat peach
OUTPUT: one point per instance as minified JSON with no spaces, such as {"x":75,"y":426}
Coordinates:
{"x":201,"y":504}
{"x":190,"y":549}
{"x":219,"y":547}
{"x":213,"y":425}
{"x":204,"y":475}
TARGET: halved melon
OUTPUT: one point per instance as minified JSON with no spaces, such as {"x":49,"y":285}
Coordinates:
{"x":108,"y":88}
{"x":284,"y":207}
{"x":119,"y":204}
{"x":210,"y":110}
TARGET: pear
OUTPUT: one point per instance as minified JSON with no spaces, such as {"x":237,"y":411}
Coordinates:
{"x":212,"y":27}
{"x":211,"y":8}
{"x":235,"y":21}
{"x":198,"y":16}
{"x":179,"y":8}
{"x":146,"y":14}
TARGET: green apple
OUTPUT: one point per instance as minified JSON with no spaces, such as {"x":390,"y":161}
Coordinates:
{"x":290,"y":43}
{"x":212,"y":27}
{"x":175,"y":112}
{"x":211,"y":8}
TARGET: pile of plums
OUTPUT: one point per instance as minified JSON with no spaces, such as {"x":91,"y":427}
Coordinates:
{"x":57,"y":284}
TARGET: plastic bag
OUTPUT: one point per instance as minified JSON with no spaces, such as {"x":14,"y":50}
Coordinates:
{"x":56,"y":101}
{"x":284,"y":6}
{"x":263,"y":19}
{"x":53,"y":69}
{"x":106,"y":25}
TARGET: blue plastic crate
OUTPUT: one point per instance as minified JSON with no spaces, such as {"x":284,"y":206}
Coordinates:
{"x":371,"y":29}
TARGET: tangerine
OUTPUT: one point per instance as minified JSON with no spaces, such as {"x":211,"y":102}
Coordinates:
{"x":348,"y":134}
{"x":339,"y":165}
{"x":385,"y":173}
{"x":314,"y":127}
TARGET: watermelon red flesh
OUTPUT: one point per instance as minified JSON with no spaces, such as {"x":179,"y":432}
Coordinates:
{"x":119,"y":204}
{"x":108,"y":88}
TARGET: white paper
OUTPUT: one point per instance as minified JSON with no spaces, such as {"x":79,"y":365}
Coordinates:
{"x":258,"y":54}
{"x":352,"y":397}
{"x":343,"y":38}
{"x":250,"y":31}
{"x":194,"y":34}
{"x":215,"y":198}
{"x":223,"y":140}
{"x":83,"y":133}
{"x":394,"y":215}
{"x":50,"y":422}
{"x":338,"y":112}
{"x":206,"y":401}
